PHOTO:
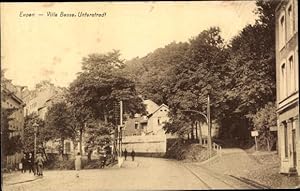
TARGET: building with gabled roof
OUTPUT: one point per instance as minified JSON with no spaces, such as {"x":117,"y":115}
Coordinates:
{"x":150,"y":124}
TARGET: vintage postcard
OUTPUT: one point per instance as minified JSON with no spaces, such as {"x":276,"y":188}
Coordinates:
{"x":150,"y":95}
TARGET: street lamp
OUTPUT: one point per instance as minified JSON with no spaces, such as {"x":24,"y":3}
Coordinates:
{"x":35,"y":127}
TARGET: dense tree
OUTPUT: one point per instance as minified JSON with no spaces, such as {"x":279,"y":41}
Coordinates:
{"x":265,"y":118}
{"x":58,"y":121}
{"x":252,"y":81}
{"x":239,"y":77}
{"x":182,"y":75}
{"x":98,"y":135}
{"x":43,"y":135}
{"x":200,"y":73}
{"x":152,"y":74}
{"x":98,"y":87}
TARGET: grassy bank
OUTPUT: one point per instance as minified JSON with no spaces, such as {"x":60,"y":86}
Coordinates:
{"x":189,"y":152}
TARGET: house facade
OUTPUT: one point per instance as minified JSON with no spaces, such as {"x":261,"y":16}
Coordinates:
{"x":150,"y":124}
{"x":42,"y":97}
{"x":11,"y":97}
{"x":157,"y":120}
{"x":287,"y":66}
{"x":39,"y":101}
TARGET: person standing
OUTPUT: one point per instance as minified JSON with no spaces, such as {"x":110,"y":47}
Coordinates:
{"x":132,"y":154}
{"x":40,"y":164}
{"x":24,"y":163}
{"x":30,"y":163}
{"x":77,"y":164}
{"x":125,"y":153}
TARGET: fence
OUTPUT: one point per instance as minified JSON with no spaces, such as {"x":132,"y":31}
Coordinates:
{"x":12,"y":161}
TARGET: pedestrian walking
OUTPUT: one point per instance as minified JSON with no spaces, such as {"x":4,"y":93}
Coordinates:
{"x":132,"y":154}
{"x":24,"y":163}
{"x":77,"y":164}
{"x":30,"y":163}
{"x":125,"y":154}
{"x":40,"y":164}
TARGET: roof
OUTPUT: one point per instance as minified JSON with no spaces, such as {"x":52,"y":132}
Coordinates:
{"x":151,"y":106}
{"x":14,"y":96}
{"x":162,"y":105}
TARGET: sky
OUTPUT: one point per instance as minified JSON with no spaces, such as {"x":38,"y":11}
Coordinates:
{"x":41,"y":47}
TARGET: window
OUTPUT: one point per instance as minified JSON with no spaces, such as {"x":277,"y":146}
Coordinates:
{"x":281,"y":32}
{"x":136,"y":125}
{"x":158,"y":121}
{"x":292,"y":79}
{"x":283,"y":81}
{"x":296,"y":69}
{"x":290,"y":28}
{"x":285,"y":140}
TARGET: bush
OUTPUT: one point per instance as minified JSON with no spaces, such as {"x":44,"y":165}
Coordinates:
{"x":96,"y":164}
{"x":262,"y":121}
{"x":53,"y":162}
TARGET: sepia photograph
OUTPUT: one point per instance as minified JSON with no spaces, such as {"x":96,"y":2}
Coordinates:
{"x":150,"y":95}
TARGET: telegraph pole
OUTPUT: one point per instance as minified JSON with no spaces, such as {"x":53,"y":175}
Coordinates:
{"x":209,"y":127}
{"x":120,"y":128}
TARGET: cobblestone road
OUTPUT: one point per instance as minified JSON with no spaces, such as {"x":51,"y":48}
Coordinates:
{"x":144,"y":173}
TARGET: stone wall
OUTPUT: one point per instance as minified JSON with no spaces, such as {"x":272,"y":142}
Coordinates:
{"x":147,"y":145}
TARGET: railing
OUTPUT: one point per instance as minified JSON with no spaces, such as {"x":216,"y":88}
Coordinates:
{"x":215,"y":146}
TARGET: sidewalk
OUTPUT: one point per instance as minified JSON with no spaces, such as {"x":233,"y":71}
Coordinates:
{"x":259,"y":167}
{"x":18,"y":177}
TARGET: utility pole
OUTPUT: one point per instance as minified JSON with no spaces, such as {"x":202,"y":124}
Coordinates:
{"x":209,"y":127}
{"x":120,"y":128}
{"x":35,"y":128}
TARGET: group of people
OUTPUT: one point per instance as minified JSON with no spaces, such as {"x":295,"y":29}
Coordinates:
{"x":35,"y":165}
{"x":132,"y":154}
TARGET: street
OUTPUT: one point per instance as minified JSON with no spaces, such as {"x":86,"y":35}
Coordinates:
{"x":143,"y":173}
